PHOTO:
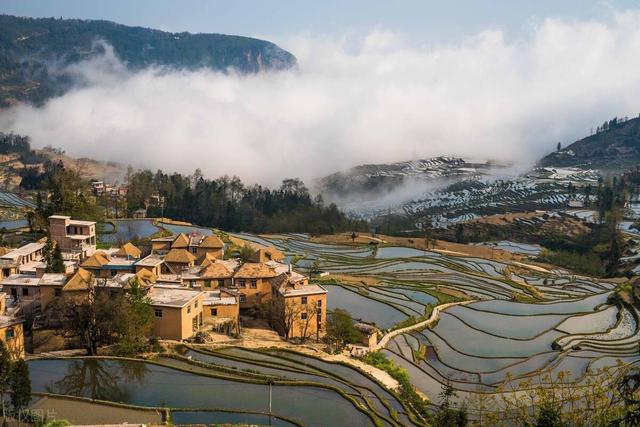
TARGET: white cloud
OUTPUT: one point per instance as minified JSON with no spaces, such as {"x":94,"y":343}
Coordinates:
{"x":486,"y":97}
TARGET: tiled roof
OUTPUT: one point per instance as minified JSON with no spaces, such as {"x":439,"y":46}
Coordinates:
{"x":96,"y":260}
{"x":80,"y":281}
{"x":146,"y":277}
{"x":179,"y":256}
{"x":216,"y":270}
{"x":254,"y":270}
{"x":128,"y":250}
{"x":181,"y":241}
{"x":290,"y":284}
{"x":212,"y":242}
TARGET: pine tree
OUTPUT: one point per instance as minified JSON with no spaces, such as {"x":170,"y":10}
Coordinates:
{"x":5,"y":369}
{"x":20,"y":385}
{"x":57,"y":262}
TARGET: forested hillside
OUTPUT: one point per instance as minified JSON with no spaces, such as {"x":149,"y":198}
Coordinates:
{"x":33,"y":53}
{"x":614,"y":146}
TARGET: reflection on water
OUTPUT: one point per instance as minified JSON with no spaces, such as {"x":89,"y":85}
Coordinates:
{"x":90,"y":378}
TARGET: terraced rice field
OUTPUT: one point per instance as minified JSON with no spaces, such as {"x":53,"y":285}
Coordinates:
{"x":12,"y":200}
{"x":522,"y":322}
{"x":230,"y":385}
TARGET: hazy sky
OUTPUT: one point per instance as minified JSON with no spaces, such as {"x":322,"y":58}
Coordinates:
{"x":424,"y":21}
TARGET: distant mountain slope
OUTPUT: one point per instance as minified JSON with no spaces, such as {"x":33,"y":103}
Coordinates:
{"x":31,"y":48}
{"x":614,"y":149}
{"x":380,"y":178}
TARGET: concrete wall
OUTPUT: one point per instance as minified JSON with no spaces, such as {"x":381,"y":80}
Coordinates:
{"x":177,"y":323}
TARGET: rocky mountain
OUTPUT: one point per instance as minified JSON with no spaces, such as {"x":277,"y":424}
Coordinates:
{"x":34,"y":53}
{"x":614,"y":147}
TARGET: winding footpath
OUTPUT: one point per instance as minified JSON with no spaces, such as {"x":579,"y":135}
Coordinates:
{"x":435,"y":315}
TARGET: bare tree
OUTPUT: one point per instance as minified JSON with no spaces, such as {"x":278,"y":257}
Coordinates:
{"x":283,"y":315}
{"x":308,"y":315}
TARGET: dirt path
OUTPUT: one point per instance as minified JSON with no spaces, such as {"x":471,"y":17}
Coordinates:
{"x":435,"y":315}
{"x":259,"y":337}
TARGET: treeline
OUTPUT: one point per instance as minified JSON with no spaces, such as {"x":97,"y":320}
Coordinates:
{"x":229,"y":204}
{"x":611,"y":124}
{"x":11,"y":143}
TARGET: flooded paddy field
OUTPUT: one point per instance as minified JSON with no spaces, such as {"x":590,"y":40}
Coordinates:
{"x":522,"y":323}
{"x":518,"y":323}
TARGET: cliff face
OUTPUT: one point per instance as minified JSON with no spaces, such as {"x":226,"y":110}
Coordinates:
{"x":31,"y":48}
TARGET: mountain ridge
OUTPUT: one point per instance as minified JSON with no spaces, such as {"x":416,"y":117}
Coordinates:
{"x":29,"y":47}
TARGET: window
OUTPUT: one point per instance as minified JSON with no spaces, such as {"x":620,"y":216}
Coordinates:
{"x":319,"y":303}
{"x":195,"y":304}
{"x":303,"y":316}
{"x":242,"y":283}
{"x":214,"y":311}
{"x":243,"y":298}
{"x":57,"y":292}
{"x":25,"y":292}
{"x":304,"y":300}
{"x":192,"y":283}
{"x":207,"y":283}
{"x":254,"y":284}
{"x":188,"y":309}
{"x":9,"y":334}
{"x":221,"y":282}
{"x":158,"y":312}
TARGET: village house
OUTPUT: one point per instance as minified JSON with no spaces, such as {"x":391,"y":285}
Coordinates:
{"x":69,"y":268}
{"x":151,"y":263}
{"x":21,"y":287}
{"x":178,"y":260}
{"x":103,"y":265}
{"x":11,"y":329}
{"x":128,"y":251}
{"x":51,"y":285}
{"x":23,"y":259}
{"x":12,"y":334}
{"x":222,"y":308}
{"x":266,"y":254}
{"x":73,"y":236}
{"x":140,"y":213}
{"x":252,"y":282}
{"x":210,"y":274}
{"x":177,"y":313}
{"x":209,"y":246}
{"x":301,"y":308}
{"x":369,"y":334}
{"x":7,"y":268}
{"x":196,"y":244}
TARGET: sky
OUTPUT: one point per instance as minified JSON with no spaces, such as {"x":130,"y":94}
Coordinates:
{"x":425,"y":22}
{"x":376,"y":83}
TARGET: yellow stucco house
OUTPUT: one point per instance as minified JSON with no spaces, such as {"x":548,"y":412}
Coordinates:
{"x":177,"y":312}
